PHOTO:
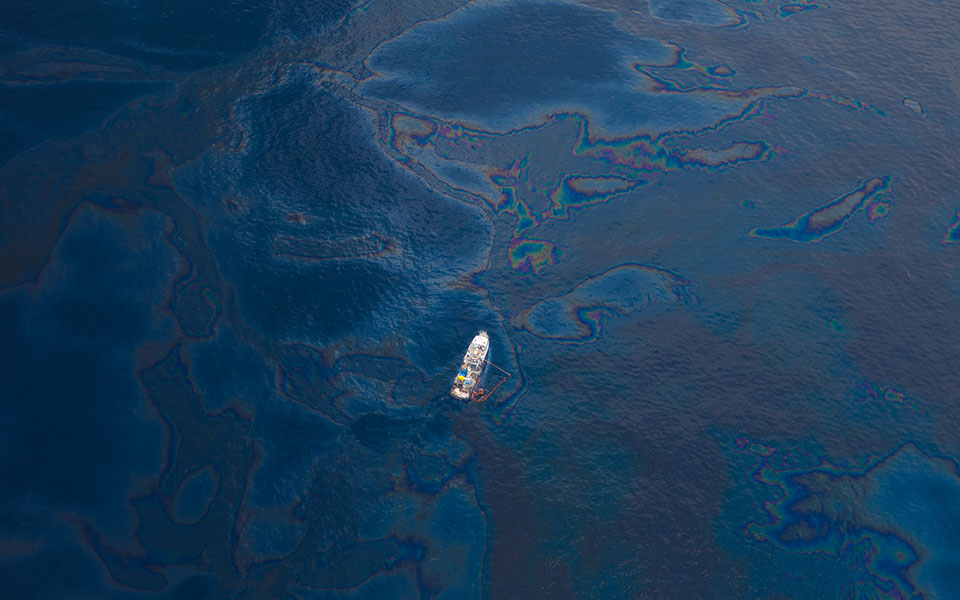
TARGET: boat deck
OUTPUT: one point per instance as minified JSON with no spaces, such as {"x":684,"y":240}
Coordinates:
{"x":468,"y":378}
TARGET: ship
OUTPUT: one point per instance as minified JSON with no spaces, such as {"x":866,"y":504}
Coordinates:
{"x":472,"y":367}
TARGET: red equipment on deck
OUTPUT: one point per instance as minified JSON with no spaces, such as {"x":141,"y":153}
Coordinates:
{"x":480,"y":394}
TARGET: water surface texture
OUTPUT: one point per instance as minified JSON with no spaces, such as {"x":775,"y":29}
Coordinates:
{"x":244,"y":245}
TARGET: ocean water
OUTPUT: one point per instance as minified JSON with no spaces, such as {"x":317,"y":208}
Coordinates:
{"x":244,"y":245}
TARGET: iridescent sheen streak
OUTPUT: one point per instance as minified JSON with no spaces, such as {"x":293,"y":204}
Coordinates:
{"x":914,"y":105}
{"x":869,"y":391}
{"x":531,"y":256}
{"x":850,"y":513}
{"x":629,"y":157}
{"x":952,"y":236}
{"x":846,"y":102}
{"x":878,"y":208}
{"x":661,"y":84}
{"x":397,"y":137}
{"x":572,"y":193}
{"x":794,"y":8}
{"x":680,"y":62}
{"x":577,"y":316}
{"x":637,"y":154}
{"x":509,"y":181}
{"x":830,"y":218}
{"x":418,"y":142}
{"x":633,"y":157}
{"x":837,"y":326}
{"x":575,"y":192}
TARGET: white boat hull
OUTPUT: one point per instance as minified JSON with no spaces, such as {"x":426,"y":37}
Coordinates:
{"x":468,"y":378}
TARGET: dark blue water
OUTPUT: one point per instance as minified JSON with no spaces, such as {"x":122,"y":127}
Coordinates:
{"x":243,"y":246}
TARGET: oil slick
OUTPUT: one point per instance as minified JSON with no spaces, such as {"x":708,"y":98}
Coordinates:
{"x":821,"y":223}
{"x":625,"y":290}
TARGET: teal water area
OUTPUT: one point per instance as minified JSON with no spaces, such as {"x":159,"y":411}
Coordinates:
{"x":243,"y":247}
